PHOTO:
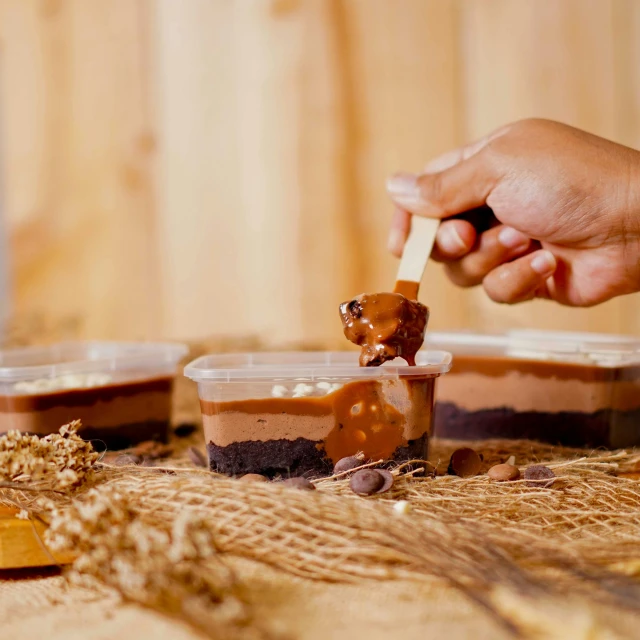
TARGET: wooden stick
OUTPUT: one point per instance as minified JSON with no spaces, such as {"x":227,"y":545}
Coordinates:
{"x":417,"y":250}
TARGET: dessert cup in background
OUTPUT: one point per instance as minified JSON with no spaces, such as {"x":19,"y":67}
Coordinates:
{"x":575,"y":389}
{"x":120,"y":391}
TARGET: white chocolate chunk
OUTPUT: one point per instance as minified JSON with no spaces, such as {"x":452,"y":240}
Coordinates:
{"x":66,"y":381}
{"x":279,"y":391}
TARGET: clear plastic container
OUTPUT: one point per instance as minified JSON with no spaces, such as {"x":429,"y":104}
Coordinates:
{"x":121,"y":391}
{"x":297,"y":413}
{"x":578,"y":389}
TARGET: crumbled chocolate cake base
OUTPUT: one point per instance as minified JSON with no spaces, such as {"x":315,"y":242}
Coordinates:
{"x":570,"y":428}
{"x":289,"y":458}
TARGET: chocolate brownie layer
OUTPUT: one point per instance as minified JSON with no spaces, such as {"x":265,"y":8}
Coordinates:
{"x":289,"y":458}
{"x":571,"y":428}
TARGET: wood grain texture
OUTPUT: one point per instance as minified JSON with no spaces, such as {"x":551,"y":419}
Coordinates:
{"x":217,"y":166}
{"x":21,"y":543}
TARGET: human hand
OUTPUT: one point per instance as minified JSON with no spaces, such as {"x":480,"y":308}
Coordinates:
{"x":542,"y":210}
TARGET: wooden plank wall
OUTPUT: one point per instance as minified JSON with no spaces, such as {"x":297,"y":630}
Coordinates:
{"x":217,"y":166}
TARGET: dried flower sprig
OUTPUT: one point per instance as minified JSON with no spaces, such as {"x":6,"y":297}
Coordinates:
{"x":58,"y":462}
{"x":170,"y":566}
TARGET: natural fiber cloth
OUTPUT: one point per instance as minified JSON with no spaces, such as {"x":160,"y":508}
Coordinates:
{"x":542,"y":557}
{"x":473,"y":559}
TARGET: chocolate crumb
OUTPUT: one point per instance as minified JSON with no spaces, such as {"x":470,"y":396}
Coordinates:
{"x":152,"y":450}
{"x":253,"y":477}
{"x":346,"y":464}
{"x":465,"y":463}
{"x":197,"y":457}
{"x":504,"y":472}
{"x":367,"y":481}
{"x":539,"y":476}
{"x":299,"y":483}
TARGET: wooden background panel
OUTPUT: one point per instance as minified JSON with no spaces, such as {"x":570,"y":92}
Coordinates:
{"x":218,"y":166}
{"x":77,"y":143}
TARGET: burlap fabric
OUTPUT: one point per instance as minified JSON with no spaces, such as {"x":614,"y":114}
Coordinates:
{"x":473,"y":559}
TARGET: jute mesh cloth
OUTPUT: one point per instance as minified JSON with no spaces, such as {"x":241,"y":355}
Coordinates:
{"x":473,"y":559}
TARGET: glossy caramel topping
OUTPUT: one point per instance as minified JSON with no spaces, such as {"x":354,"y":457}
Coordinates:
{"x":385,"y":325}
{"x":407,"y":288}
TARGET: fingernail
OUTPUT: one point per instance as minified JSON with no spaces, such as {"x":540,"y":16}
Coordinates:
{"x":450,"y":241}
{"x":512,"y":238}
{"x":395,"y":242}
{"x":403,"y":189}
{"x":544,"y":263}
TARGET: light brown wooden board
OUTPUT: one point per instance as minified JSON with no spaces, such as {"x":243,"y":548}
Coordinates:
{"x":21,"y":543}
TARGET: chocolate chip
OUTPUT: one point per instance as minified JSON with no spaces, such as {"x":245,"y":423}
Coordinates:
{"x":504,"y":472}
{"x":367,"y":481}
{"x":126,"y":459}
{"x":539,"y":476}
{"x":299,"y":483}
{"x":346,"y":464}
{"x":388,"y":480}
{"x":253,"y":477}
{"x":197,"y":457}
{"x":465,"y":463}
{"x":355,"y":308}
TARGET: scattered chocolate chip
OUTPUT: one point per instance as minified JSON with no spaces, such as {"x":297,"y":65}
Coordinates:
{"x":126,"y":459}
{"x":539,"y":476}
{"x":367,"y":481}
{"x":299,"y":483}
{"x":465,"y":463}
{"x":388,"y":480}
{"x":504,"y":472}
{"x":346,"y":464}
{"x":197,"y":457}
{"x":253,"y":477}
{"x":185,"y":429}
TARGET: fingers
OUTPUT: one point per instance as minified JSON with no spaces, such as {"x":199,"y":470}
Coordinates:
{"x":400,"y":226}
{"x":463,"y":186}
{"x":455,"y":238}
{"x":521,"y":279}
{"x":493,"y":248}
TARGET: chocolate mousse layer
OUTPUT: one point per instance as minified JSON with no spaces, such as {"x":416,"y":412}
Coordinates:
{"x":383,"y":419}
{"x":572,"y":404}
{"x":118,"y":415}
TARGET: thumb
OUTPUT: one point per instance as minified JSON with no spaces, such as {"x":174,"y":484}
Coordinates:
{"x":459,"y":188}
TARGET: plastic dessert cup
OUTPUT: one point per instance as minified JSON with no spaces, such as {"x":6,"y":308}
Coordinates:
{"x":120,"y":391}
{"x":576,"y":389}
{"x":294,"y":414}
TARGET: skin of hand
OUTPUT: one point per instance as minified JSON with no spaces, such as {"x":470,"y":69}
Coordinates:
{"x":536,"y":209}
